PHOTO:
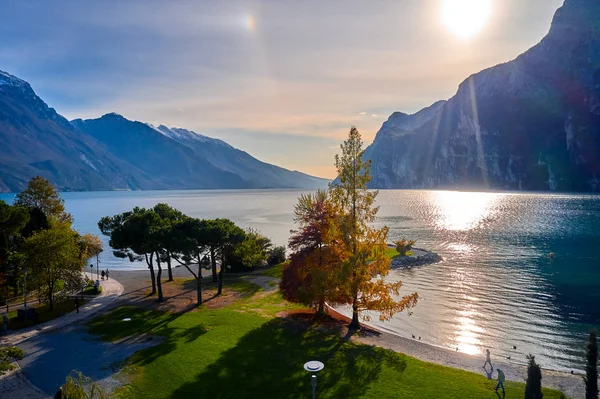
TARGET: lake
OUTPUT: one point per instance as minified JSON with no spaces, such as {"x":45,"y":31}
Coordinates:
{"x":497,"y":287}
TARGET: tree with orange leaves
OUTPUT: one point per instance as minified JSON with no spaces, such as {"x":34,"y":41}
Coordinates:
{"x":310,"y":276}
{"x":359,"y":246}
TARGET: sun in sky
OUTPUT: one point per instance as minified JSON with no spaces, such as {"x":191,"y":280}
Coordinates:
{"x":466,"y":18}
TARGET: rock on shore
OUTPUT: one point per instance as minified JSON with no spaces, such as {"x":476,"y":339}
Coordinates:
{"x":419,"y":257}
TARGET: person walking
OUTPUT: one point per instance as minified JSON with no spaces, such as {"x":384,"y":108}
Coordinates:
{"x":488,"y":359}
{"x":107,"y":274}
{"x":77,"y":304}
{"x":501,"y":378}
{"x":102,"y":274}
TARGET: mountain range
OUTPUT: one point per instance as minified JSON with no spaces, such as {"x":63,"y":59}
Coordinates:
{"x":114,"y":153}
{"x":529,"y":124}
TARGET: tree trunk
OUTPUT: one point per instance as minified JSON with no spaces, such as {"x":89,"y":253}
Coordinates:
{"x":355,"y":323}
{"x":213,"y":261}
{"x":51,"y":299}
{"x":221,"y":270}
{"x":158,"y":278}
{"x":151,"y":268}
{"x":321,"y":309}
{"x":199,"y":288}
{"x":169,"y":266}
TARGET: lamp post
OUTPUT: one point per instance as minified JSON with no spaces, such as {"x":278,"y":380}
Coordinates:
{"x":97,"y":268}
{"x":314,"y":367}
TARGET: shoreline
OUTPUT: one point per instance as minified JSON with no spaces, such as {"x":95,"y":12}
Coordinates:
{"x":571,"y":385}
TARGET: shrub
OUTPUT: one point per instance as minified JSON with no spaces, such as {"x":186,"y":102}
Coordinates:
{"x":78,"y":386}
{"x":276,"y":256}
{"x":9,"y":355}
{"x":591,"y":368}
{"x":403,"y":246}
{"x":533,"y":388}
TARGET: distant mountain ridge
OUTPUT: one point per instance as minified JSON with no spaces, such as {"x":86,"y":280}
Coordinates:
{"x":529,"y":124}
{"x":114,"y":153}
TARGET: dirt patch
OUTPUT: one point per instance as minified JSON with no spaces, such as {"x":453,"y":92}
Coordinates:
{"x":180,"y":296}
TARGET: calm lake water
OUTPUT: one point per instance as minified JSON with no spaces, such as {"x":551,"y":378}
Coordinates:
{"x":497,"y":286}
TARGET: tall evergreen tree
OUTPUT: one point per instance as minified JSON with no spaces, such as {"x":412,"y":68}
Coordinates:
{"x":591,"y":368}
{"x":360,"y":247}
{"x":533,"y":387}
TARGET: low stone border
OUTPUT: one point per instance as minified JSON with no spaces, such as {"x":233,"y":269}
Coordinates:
{"x":421,"y":257}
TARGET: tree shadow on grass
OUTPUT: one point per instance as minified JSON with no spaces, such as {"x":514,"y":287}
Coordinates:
{"x":268,"y":363}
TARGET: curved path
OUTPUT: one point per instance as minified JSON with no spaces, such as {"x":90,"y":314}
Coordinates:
{"x":15,"y":384}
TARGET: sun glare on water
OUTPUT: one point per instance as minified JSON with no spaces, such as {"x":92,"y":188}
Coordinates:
{"x":466,"y":18}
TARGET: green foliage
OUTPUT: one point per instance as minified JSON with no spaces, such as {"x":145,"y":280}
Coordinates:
{"x":7,"y":356}
{"x":403,"y":246}
{"x":54,"y":260}
{"x":591,"y":368}
{"x":276,"y":256}
{"x":42,"y":195}
{"x":533,"y":388}
{"x":251,"y":252}
{"x":78,"y":386}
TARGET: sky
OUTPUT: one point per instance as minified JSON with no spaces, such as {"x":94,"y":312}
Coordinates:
{"x":283,"y":80}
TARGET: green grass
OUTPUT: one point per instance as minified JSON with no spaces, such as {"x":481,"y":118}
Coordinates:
{"x":274,"y":271}
{"x":44,"y":313}
{"x":391,"y":253}
{"x":7,"y":356}
{"x":244,"y":351}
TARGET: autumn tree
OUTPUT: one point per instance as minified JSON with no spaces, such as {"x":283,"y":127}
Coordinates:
{"x":91,"y":246}
{"x":591,"y":368}
{"x":42,"y":195}
{"x":311,"y":276}
{"x":54,"y":256}
{"x":360,"y":247}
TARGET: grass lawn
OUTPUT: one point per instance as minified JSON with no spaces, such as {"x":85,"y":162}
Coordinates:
{"x":273,"y":271}
{"x":245,"y":351}
{"x":391,"y":253}
{"x":44,"y":313}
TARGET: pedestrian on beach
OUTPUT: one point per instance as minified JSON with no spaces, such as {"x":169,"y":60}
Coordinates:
{"x":488,"y":359}
{"x":102,"y":274}
{"x":501,"y":379}
{"x":77,"y":304}
{"x":107,"y":274}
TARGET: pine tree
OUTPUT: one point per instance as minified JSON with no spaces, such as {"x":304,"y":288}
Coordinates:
{"x":533,"y":388}
{"x":360,"y":247}
{"x":591,"y":368}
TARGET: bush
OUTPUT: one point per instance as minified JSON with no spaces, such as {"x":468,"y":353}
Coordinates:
{"x":78,"y":386}
{"x":276,"y":256}
{"x":403,"y":246}
{"x":591,"y":368}
{"x":9,"y":355}
{"x":533,"y":388}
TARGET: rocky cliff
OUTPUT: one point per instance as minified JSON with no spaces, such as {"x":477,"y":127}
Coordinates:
{"x":529,"y":124}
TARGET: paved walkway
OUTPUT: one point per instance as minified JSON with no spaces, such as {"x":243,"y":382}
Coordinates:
{"x":111,"y":290}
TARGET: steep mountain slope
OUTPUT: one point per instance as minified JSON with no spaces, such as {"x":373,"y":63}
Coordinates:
{"x":113,"y":153}
{"x":35,"y":140}
{"x":175,"y":165}
{"x":530,"y":124}
{"x":258,"y":174}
